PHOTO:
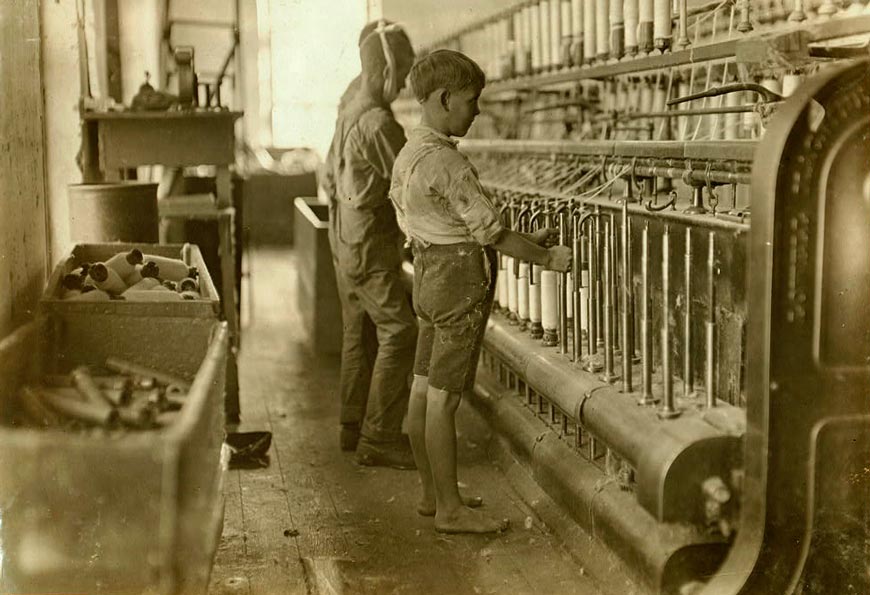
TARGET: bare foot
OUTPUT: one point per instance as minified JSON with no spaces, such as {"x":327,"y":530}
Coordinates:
{"x":426,"y":506}
{"x":466,"y":520}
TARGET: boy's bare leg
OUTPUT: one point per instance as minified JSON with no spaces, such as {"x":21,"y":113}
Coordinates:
{"x":417,"y":434}
{"x":452,"y":516}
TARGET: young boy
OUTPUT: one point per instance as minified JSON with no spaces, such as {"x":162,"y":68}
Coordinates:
{"x":454,"y":229}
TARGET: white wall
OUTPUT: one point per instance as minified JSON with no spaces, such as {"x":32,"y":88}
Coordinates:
{"x":60,"y":71}
{"x":314,"y":57}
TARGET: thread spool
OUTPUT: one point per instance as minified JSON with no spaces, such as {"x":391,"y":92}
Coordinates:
{"x":631,"y":17}
{"x":535,"y":327}
{"x":519,"y":46}
{"x":512,"y":289}
{"x":732,"y":121}
{"x":546,"y":40}
{"x":501,"y":296}
{"x":589,"y":31}
{"x":790,"y":83}
{"x":577,"y":32}
{"x":556,"y":33}
{"x":751,"y":120}
{"x":645,"y":26}
{"x":523,"y":293}
{"x":602,"y":25}
{"x":617,"y":29}
{"x":526,"y":23}
{"x":567,"y":34}
{"x":536,"y":36}
{"x":550,"y":307}
{"x":662,"y":32}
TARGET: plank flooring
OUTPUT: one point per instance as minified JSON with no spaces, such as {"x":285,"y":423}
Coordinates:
{"x":315,"y":522}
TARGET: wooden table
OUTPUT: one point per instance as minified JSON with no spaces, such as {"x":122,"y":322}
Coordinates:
{"x":116,"y":141}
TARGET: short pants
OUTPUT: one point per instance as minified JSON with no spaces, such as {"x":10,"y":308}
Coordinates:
{"x":454,"y":286}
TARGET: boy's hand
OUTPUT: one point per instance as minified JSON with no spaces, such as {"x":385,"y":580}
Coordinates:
{"x":559,"y":259}
{"x":546,"y":237}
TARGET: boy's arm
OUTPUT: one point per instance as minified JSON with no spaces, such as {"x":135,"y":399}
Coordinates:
{"x":512,"y":243}
{"x":473,"y":205}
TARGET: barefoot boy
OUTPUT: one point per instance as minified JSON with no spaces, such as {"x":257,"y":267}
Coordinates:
{"x":455,"y":231}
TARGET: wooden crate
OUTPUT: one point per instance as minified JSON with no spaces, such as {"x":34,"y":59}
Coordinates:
{"x":134,"y":323}
{"x":317,"y":293}
{"x":140,"y":512}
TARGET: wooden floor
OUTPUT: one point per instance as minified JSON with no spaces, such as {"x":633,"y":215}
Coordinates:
{"x":314,"y":522}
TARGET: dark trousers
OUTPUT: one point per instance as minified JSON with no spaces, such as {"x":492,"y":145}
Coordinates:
{"x":377,"y":355}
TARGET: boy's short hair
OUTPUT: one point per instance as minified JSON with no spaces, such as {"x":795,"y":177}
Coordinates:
{"x":371,"y":51}
{"x":445,"y":69}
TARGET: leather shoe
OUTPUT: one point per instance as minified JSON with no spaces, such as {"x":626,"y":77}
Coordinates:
{"x":348,"y":438}
{"x":396,"y":454}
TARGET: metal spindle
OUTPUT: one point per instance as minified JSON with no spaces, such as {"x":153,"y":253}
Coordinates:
{"x":646,"y":395}
{"x":683,"y":40}
{"x":667,"y":410}
{"x":626,"y":302}
{"x":710,"y":369}
{"x":688,"y":372}
{"x":576,"y":294}
{"x":614,"y":285}
{"x":563,"y":286}
{"x":608,"y":376}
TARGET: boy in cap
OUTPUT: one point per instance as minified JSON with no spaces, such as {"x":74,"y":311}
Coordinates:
{"x":379,"y":330}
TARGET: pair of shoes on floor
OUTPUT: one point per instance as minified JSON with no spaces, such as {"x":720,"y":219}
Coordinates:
{"x":396,"y":454}
{"x":348,"y":437}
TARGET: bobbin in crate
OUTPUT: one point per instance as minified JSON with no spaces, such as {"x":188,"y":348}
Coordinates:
{"x":103,"y":507}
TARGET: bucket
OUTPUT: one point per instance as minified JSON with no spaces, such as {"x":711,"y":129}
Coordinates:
{"x":113,"y":212}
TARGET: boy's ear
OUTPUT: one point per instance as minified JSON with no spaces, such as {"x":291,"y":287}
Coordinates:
{"x":444,"y":98}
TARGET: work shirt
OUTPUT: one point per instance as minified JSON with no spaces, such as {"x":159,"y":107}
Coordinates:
{"x":438,"y":195}
{"x":357,"y":180}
